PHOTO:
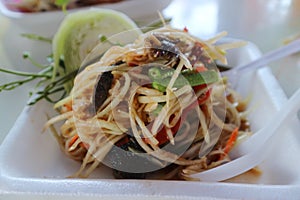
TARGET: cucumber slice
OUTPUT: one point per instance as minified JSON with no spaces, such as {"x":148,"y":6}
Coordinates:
{"x":81,"y":31}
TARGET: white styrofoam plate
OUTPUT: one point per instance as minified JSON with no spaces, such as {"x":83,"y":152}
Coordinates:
{"x":32,"y":165}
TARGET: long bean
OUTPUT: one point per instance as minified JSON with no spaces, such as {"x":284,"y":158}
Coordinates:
{"x":161,"y":78}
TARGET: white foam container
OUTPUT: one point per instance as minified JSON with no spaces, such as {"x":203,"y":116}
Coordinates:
{"x":33,"y":167}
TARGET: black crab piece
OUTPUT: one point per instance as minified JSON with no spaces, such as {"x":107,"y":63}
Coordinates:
{"x":167,"y":48}
{"x":102,"y":88}
{"x":121,"y":156}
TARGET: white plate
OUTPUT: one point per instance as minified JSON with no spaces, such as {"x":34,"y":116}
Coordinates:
{"x":32,"y":165}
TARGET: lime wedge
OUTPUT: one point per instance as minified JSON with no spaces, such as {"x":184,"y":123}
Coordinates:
{"x":81,"y":31}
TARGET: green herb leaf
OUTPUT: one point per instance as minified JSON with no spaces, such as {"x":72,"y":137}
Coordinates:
{"x":63,"y":4}
{"x":36,"y":37}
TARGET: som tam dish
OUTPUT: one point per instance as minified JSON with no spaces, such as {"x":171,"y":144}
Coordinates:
{"x":156,"y":107}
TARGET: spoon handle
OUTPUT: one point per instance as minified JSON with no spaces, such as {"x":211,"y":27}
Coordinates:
{"x":257,"y":140}
{"x":276,"y":54}
{"x":256,"y":150}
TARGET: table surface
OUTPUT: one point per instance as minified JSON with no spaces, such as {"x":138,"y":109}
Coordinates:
{"x":265,"y":23}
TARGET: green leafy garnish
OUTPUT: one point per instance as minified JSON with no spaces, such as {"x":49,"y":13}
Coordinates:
{"x":29,"y":77}
{"x":62,"y":3}
{"x":36,"y":37}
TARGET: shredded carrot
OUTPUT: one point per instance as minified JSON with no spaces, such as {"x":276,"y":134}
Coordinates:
{"x":231,"y":141}
{"x":68,"y":106}
{"x":73,"y":140}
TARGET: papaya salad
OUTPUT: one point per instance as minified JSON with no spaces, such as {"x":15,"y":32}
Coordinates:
{"x":155,"y":108}
{"x":151,"y":104}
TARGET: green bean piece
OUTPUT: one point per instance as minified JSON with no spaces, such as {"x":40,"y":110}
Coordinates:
{"x":161,"y":77}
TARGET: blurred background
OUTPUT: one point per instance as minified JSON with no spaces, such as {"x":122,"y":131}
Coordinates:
{"x":266,"y":23}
